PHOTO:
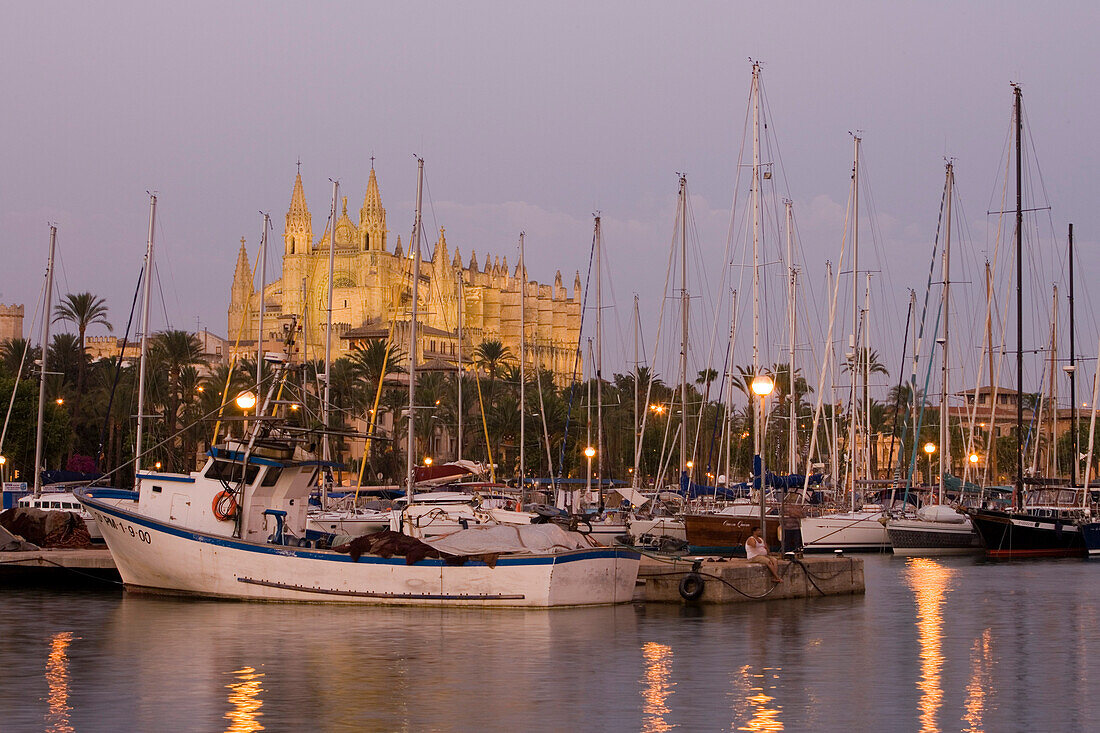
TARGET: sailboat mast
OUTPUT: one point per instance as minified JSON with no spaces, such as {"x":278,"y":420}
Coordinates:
{"x":47,"y":315}
{"x":599,"y":362}
{"x":729,"y":386}
{"x":853,"y":369}
{"x":756,"y":230}
{"x":792,"y":394}
{"x":684,"y":328}
{"x":328,"y":322}
{"x":461,"y":370}
{"x":1073,"y":368}
{"x":414,"y":242}
{"x":991,"y":457}
{"x":146,"y":296}
{"x":637,"y":414}
{"x":260,"y":325}
{"x":522,"y":372}
{"x":945,"y":432}
{"x":1018,"y":494}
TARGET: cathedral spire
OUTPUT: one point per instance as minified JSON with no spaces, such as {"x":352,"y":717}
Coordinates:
{"x":372,"y":217}
{"x":242,"y":275}
{"x":298,"y":234}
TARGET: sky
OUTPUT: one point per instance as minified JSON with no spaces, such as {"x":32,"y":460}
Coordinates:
{"x":532,"y":116}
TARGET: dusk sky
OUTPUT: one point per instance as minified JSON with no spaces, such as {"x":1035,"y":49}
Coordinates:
{"x":531,"y":116}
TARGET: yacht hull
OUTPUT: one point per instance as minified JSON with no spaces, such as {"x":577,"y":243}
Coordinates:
{"x":858,"y":532}
{"x":726,"y":533}
{"x":1090,"y":533}
{"x":155,"y":556}
{"x":1010,"y":534}
{"x":924,"y":538}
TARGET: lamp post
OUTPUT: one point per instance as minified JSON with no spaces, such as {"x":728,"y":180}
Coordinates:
{"x":428,"y":461}
{"x":762,"y":386}
{"x":929,"y":449}
{"x":3,"y":469}
{"x":589,"y":452}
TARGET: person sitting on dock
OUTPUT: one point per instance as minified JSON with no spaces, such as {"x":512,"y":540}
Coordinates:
{"x":756,"y":550}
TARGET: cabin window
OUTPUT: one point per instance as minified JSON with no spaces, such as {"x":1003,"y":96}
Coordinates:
{"x":271,"y":476}
{"x":55,"y":505}
{"x":230,"y":472}
{"x":156,"y":489}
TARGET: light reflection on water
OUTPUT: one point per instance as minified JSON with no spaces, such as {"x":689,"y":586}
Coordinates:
{"x":658,"y":670}
{"x":981,"y":663}
{"x":244,"y":697}
{"x":758,"y":706}
{"x":930,"y":582}
{"x":947,"y":644}
{"x":57,"y":677}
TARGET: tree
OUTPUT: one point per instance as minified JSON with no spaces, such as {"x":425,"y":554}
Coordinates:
{"x":491,"y":355}
{"x":172,"y":352}
{"x":12,"y":355}
{"x":82,"y":310}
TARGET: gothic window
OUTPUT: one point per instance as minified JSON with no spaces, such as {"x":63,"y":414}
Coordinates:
{"x":366,"y":240}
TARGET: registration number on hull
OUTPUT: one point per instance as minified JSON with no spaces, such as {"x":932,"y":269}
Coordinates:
{"x":124,"y":528}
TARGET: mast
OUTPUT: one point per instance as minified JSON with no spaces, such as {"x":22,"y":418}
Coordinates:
{"x":1018,"y":494}
{"x":260,"y":326}
{"x":414,"y":242}
{"x":599,"y":362}
{"x":853,"y":343}
{"x":1052,"y":460}
{"x":758,"y":443}
{"x":729,"y":386}
{"x":522,"y":373}
{"x":1073,"y":368}
{"x":637,"y":414}
{"x":147,"y":286}
{"x":945,"y":432}
{"x":461,"y":371}
{"x":47,"y":314}
{"x":792,"y":396}
{"x":991,"y":453}
{"x":866,"y":364}
{"x":684,"y":327}
{"x":328,"y":327}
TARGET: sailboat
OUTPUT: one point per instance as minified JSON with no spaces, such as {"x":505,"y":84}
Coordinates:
{"x":861,"y":527}
{"x":1040,"y":525}
{"x":938,"y":529}
{"x":236,"y":529}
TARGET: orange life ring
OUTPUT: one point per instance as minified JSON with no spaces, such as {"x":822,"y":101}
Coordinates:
{"x":220,"y":500}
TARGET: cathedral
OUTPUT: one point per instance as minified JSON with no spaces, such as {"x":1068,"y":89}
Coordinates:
{"x":372,"y":289}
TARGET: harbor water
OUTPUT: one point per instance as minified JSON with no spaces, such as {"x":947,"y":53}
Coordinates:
{"x":954,"y":644}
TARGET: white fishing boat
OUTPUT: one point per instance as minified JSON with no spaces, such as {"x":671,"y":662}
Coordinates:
{"x":236,"y":529}
{"x":63,"y":501}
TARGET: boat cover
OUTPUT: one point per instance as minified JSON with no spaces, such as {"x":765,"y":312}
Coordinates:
{"x":510,"y":539}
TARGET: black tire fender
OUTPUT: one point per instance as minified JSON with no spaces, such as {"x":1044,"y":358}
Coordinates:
{"x":692,"y":586}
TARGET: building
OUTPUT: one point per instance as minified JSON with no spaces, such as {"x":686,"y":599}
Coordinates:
{"x":11,"y":322}
{"x":215,"y":349}
{"x":372,"y":288}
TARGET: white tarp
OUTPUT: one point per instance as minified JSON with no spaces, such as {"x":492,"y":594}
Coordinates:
{"x":530,"y":539}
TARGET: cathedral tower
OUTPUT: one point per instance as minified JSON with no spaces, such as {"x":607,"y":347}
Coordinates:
{"x":298,"y":234}
{"x":239,"y":295}
{"x":372,"y":218}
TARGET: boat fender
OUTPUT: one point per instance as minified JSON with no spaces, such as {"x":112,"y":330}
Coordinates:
{"x":224,"y":506}
{"x":691,"y":586}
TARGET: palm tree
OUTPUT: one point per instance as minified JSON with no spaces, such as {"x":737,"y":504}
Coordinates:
{"x":491,"y":355}
{"x":82,"y":310}
{"x":11,"y":356}
{"x":173,"y":351}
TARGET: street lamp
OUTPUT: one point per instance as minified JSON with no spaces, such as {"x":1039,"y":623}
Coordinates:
{"x":589,"y":452}
{"x":3,"y":469}
{"x":60,"y":401}
{"x":929,"y":449}
{"x":762,"y":386}
{"x":428,"y":461}
{"x":246,"y":400}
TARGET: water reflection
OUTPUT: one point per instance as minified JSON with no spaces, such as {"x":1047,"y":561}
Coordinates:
{"x":757,"y":705}
{"x":57,"y":677}
{"x":244,"y":697}
{"x":658,"y":669}
{"x":981,"y":662}
{"x":929,"y":581}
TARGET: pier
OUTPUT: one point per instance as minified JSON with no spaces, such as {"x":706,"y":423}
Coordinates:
{"x":56,"y":564}
{"x":736,"y":580}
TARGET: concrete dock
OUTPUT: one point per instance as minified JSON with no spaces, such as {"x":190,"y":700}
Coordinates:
{"x":736,"y":580}
{"x":45,"y":564}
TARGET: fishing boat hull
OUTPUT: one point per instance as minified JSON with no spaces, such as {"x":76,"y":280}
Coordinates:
{"x":850,"y":531}
{"x":924,"y":538}
{"x":155,"y":556}
{"x":1014,"y":534}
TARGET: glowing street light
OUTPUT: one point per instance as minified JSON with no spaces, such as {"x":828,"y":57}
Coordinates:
{"x":60,"y":400}
{"x":246,"y":400}
{"x":589,"y":452}
{"x":157,"y":465}
{"x":929,"y":449}
{"x":428,"y":461}
{"x":973,"y":457}
{"x":762,"y":386}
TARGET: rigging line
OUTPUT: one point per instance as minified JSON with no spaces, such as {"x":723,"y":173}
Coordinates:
{"x":118,"y":367}
{"x":22,"y":361}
